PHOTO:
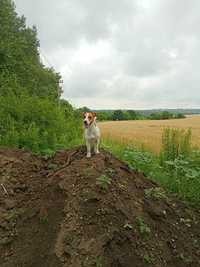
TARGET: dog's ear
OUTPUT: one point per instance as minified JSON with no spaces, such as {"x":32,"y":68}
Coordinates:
{"x":94,"y":114}
{"x":83,"y":114}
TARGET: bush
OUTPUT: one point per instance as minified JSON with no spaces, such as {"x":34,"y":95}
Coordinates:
{"x":37,"y":124}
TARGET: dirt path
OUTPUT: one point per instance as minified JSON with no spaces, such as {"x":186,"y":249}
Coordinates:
{"x":53,"y":213}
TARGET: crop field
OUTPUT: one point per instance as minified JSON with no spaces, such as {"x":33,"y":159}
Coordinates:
{"x":148,"y":133}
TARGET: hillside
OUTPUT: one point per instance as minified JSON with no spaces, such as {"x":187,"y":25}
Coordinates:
{"x":54,"y":213}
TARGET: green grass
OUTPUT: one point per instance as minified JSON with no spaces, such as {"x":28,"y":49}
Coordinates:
{"x":178,"y":174}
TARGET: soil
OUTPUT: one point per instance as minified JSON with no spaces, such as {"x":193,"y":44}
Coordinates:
{"x":57,"y":213}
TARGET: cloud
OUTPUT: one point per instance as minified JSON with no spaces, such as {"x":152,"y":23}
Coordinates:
{"x":121,"y":54}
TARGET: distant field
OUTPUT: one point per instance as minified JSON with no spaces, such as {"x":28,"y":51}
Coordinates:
{"x":148,"y":133}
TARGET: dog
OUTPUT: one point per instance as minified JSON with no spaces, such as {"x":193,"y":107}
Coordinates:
{"x":92,"y":132}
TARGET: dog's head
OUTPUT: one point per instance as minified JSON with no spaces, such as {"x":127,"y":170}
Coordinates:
{"x":89,"y":118}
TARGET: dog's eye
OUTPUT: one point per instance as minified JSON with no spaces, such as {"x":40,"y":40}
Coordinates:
{"x":89,"y":117}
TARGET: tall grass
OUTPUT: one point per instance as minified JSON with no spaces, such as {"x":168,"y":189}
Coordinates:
{"x":177,"y":168}
{"x":175,"y":143}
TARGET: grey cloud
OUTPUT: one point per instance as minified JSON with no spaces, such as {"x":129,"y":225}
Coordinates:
{"x":153,"y":58}
{"x":65,"y":23}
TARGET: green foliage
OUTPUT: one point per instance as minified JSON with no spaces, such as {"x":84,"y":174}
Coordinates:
{"x":165,"y":115}
{"x":99,"y":262}
{"x":148,"y":259}
{"x":175,"y":142}
{"x":156,"y":192}
{"x":37,"y":124}
{"x":32,"y":114}
{"x":180,"y":176}
{"x":186,"y":259}
{"x":103,"y":181}
{"x":20,"y":67}
{"x":119,"y":115}
{"x":144,"y":229}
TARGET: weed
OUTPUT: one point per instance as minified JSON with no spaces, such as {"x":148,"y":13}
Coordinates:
{"x":88,"y":171}
{"x":144,"y":229}
{"x":175,"y":142}
{"x":99,"y":262}
{"x":103,"y":181}
{"x":180,"y":175}
{"x":156,"y":192}
{"x":44,"y":220}
{"x":52,"y":166}
{"x":185,"y":259}
{"x":148,"y":259}
{"x":110,"y":172}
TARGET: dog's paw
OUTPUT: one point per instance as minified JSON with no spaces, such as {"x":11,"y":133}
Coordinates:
{"x":97,"y":152}
{"x":88,"y":155}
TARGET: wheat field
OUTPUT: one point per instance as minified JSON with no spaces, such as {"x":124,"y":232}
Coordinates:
{"x":148,"y":133}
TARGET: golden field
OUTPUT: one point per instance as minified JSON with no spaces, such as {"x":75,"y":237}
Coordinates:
{"x":148,"y":133}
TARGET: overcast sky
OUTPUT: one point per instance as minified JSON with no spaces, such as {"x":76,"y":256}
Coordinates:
{"x":121,"y":53}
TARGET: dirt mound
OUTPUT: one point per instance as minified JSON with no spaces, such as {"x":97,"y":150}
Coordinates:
{"x":72,"y":211}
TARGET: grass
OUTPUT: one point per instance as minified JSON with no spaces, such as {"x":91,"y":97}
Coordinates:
{"x":177,"y":171}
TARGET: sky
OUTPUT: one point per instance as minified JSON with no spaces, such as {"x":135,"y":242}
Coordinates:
{"x":125,"y":54}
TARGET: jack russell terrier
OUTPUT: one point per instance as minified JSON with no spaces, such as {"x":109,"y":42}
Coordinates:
{"x":92,"y":133}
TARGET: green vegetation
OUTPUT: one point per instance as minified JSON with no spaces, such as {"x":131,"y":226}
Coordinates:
{"x":149,"y":259}
{"x":32,"y":114}
{"x":99,"y":262}
{"x":103,"y":181}
{"x":177,"y":168}
{"x":157,"y":192}
{"x":176,"y":143}
{"x":165,"y":115}
{"x":144,"y":229}
{"x":119,"y":115}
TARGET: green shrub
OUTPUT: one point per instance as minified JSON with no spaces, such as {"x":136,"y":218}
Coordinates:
{"x":37,"y":124}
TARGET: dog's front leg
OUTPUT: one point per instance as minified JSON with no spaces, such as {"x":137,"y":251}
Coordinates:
{"x":96,"y":146}
{"x":88,"y":148}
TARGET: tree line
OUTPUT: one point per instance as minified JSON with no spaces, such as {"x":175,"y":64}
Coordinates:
{"x":119,"y":115}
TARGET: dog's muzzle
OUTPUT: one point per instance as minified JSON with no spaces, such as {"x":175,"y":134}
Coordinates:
{"x":85,"y":124}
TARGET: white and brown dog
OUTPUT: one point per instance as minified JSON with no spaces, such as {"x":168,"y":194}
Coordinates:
{"x":92,"y":133}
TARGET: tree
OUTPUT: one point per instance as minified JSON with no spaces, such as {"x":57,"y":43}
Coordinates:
{"x":118,"y":115}
{"x":20,"y":67}
{"x":32,"y":114}
{"x":132,"y":114}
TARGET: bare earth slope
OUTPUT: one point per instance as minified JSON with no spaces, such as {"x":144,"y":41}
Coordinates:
{"x":52,"y":213}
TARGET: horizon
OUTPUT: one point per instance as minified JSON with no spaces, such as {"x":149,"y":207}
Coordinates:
{"x":148,"y":109}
